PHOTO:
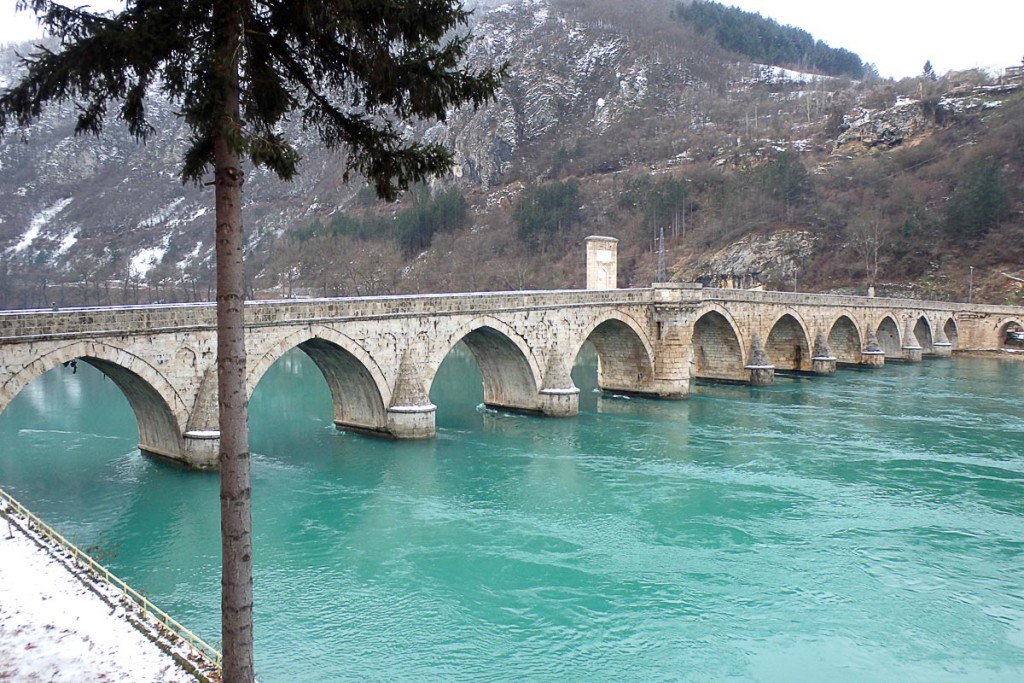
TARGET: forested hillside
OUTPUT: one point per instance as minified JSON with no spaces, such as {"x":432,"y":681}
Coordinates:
{"x":760,"y":167}
{"x":764,"y":40}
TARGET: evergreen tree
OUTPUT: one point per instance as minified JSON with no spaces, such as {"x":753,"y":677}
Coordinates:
{"x":979,"y":202}
{"x":665,"y":205}
{"x":543,"y":211}
{"x":765,"y":40}
{"x":236,"y":70}
{"x":786,"y":180}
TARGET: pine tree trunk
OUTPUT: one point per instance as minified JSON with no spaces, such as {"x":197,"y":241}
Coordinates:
{"x":236,"y":520}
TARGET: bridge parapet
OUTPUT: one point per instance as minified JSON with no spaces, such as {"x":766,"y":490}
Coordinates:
{"x":120,"y":320}
{"x":832,"y":301}
{"x":317,"y":310}
{"x":115,"y":320}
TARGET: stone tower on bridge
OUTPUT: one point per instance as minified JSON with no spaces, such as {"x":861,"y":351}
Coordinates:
{"x":602,"y":262}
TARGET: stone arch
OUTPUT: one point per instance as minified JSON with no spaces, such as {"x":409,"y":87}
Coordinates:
{"x":359,"y":390}
{"x":159,"y":410}
{"x":787,"y":345}
{"x":1005,"y":328}
{"x":717,"y":347}
{"x":949,"y":328}
{"x":625,"y":355}
{"x":844,"y":340}
{"x":511,"y":375}
{"x":888,"y":335}
{"x":923,"y":333}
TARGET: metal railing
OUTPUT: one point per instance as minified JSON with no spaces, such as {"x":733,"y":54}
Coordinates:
{"x":149,"y":610}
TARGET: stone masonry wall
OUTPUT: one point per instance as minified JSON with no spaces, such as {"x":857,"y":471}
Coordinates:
{"x":380,"y":354}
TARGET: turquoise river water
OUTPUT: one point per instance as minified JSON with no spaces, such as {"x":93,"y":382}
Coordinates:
{"x":865,"y":527}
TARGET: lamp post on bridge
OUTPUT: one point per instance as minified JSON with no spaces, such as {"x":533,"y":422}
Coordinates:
{"x":970,"y":286}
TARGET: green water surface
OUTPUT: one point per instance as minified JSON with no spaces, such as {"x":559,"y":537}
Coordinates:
{"x":865,"y":527}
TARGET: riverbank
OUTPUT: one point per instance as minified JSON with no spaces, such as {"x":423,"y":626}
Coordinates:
{"x":59,"y":623}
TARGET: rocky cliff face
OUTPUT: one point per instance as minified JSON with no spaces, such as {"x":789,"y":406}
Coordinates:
{"x":866,"y":128}
{"x":559,"y":75}
{"x":567,"y":79}
{"x":753,"y":260}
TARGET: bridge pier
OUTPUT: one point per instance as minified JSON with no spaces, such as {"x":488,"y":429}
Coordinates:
{"x":873,"y":359}
{"x":558,"y":396}
{"x":412,"y":422}
{"x":202,"y":450}
{"x":199,"y":450}
{"x":762,"y":372}
{"x":672,"y":360}
{"x":662,"y":391}
{"x":761,"y":375}
{"x":822,"y":360}
{"x":670,"y":389}
{"x":913,"y":352}
{"x":941,"y":347}
{"x":823,"y":365}
{"x":872,"y":356}
{"x":560,"y":402}
{"x":411,"y":415}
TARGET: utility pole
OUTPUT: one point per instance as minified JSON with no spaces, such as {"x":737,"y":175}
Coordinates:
{"x":970,"y":286}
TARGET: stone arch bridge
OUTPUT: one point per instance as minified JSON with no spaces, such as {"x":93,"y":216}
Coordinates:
{"x":379,"y":355}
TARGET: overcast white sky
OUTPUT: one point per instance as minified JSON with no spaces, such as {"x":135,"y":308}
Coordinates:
{"x":898,"y":36}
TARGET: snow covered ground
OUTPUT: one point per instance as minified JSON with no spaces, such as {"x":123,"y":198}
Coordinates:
{"x":55,"y":628}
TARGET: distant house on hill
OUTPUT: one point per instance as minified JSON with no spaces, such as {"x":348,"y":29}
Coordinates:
{"x":1014,"y":74}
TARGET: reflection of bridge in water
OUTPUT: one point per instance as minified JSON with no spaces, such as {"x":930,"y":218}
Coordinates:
{"x":379,"y":355}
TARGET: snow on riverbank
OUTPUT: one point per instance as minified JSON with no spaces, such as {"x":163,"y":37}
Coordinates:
{"x":54,"y":627}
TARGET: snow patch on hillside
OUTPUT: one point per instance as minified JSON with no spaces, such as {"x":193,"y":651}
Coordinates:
{"x":38,"y":222}
{"x":184,"y":263}
{"x":161,"y":215}
{"x":66,"y":242}
{"x":145,"y":260}
{"x":766,"y":73}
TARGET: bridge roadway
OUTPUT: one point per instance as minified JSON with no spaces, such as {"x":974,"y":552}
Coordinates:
{"x":379,"y":355}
